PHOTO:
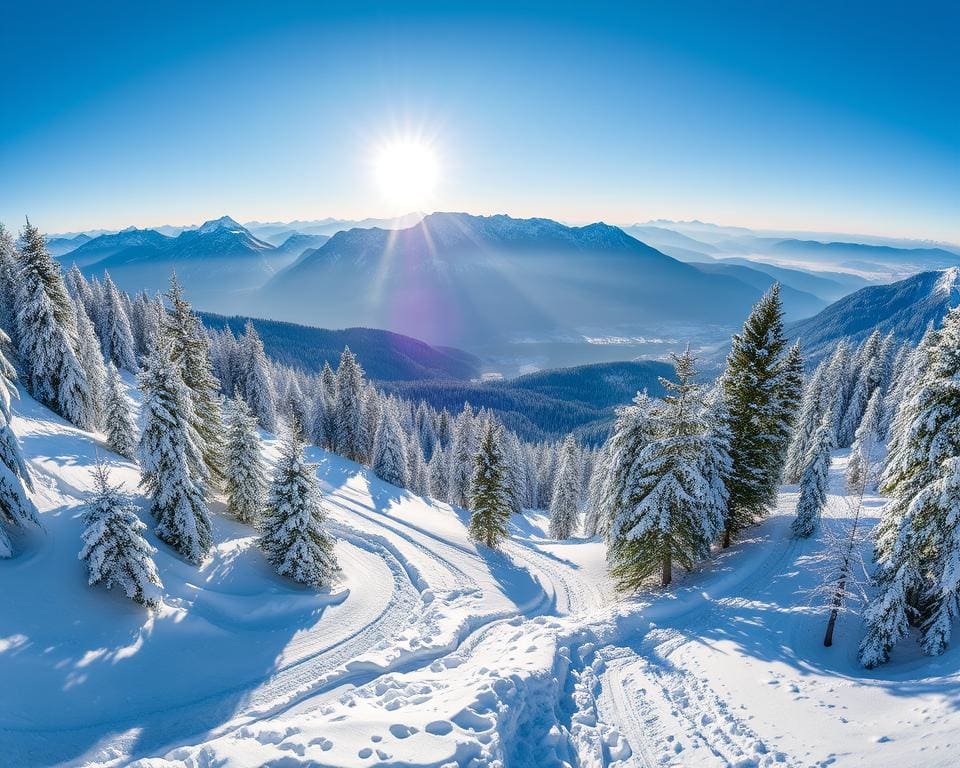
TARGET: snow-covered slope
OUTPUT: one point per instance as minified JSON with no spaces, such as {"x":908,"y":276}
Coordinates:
{"x":904,"y":308}
{"x":433,"y":651}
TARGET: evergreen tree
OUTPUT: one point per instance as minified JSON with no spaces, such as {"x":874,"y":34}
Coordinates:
{"x":9,"y":279}
{"x":564,"y":506}
{"x":438,"y":475}
{"x":190,"y":352}
{"x":840,"y":384}
{"x":91,"y":361}
{"x":118,"y":345}
{"x":254,"y":381}
{"x":16,"y":508}
{"x":813,"y":481}
{"x":172,"y":471}
{"x":632,"y":432}
{"x":325,"y":412}
{"x":489,"y":502}
{"x":349,"y":408}
{"x":867,"y":379}
{"x":417,"y":481}
{"x":595,"y":523}
{"x":866,"y":442}
{"x":671,"y":509}
{"x":36,"y":261}
{"x":516,"y":472}
{"x":372,"y":402}
{"x":54,"y":374}
{"x":117,"y":418}
{"x":294,"y":537}
{"x":754,"y":384}
{"x":812,"y":407}
{"x":114,"y":548}
{"x":917,"y":540}
{"x":246,"y":475}
{"x":389,"y":456}
{"x":463,"y":458}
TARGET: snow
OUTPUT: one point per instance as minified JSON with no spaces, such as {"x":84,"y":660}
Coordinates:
{"x":432,"y":650}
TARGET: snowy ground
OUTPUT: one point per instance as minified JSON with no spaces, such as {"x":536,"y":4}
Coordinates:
{"x":435,"y":652}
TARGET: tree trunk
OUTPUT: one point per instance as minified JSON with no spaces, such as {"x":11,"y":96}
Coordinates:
{"x":727,"y":538}
{"x":834,"y":611}
{"x":666,"y":575}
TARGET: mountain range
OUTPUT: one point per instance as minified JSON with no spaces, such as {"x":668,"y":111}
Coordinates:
{"x":455,"y":278}
{"x":515,"y":290}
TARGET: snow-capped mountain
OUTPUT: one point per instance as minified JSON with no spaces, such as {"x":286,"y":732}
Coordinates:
{"x":105,"y":246}
{"x":61,"y":245}
{"x":905,"y":308}
{"x":460,"y":279}
{"x":213,"y":261}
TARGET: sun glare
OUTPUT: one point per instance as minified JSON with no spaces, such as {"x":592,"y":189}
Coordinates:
{"x":407,"y":172}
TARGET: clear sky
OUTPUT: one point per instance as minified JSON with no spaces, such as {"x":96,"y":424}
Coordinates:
{"x":805,"y":115}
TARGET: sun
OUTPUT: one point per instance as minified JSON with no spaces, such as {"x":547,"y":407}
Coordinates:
{"x":407,"y":172}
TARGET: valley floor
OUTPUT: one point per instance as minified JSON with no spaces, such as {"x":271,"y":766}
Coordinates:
{"x":433,"y":651}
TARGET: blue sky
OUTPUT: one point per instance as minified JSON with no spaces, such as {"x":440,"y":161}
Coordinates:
{"x":812,"y":115}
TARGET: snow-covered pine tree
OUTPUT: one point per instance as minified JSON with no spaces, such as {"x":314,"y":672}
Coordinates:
{"x":901,"y":378}
{"x":416,"y":467}
{"x":438,"y":475}
{"x":172,"y":471}
{"x":190,"y":352}
{"x":349,"y":408}
{"x":866,"y":446}
{"x":9,"y":279}
{"x":840,"y":383}
{"x":372,"y":403}
{"x":670,"y":510}
{"x":632,"y":433}
{"x":917,"y":540}
{"x":444,"y":429}
{"x":114,"y":549}
{"x":16,"y":508}
{"x":717,"y":463}
{"x":463,"y":453}
{"x":254,"y":380}
{"x":295,"y":406}
{"x":91,"y":361}
{"x":117,"y":418}
{"x":565,"y":503}
{"x":594,"y":522}
{"x":867,"y":378}
{"x":294,"y":539}
{"x":389,"y":455}
{"x":753,"y":385}
{"x":790,"y":395}
{"x":55,"y":376}
{"x":489,"y":501}
{"x":36,"y":261}
{"x":425,"y":432}
{"x":516,"y":472}
{"x":813,"y":481}
{"x":246,"y":474}
{"x":812,"y":408}
{"x":118,"y":345}
{"x":79,"y":288}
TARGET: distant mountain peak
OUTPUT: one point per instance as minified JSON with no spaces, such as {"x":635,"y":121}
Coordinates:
{"x":224,"y":222}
